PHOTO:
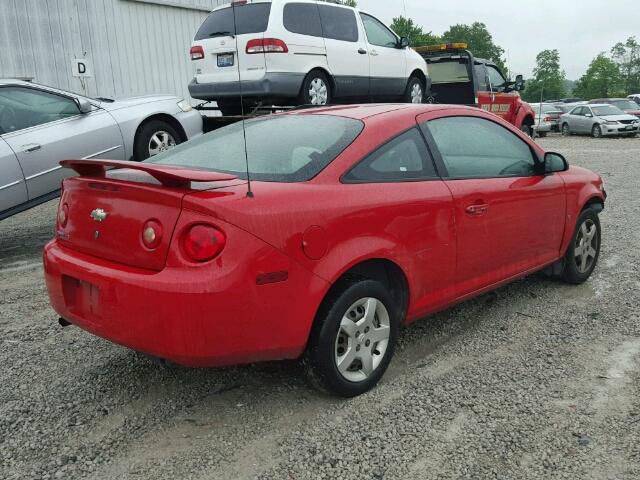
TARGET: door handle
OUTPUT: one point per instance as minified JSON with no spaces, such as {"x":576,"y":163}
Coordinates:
{"x":32,"y":147}
{"x":477,"y":209}
{"x":362,"y":51}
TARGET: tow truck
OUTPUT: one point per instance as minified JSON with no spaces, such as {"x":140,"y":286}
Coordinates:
{"x":457,"y":77}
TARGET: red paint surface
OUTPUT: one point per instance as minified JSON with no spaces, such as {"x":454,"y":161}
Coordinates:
{"x":285,"y":247}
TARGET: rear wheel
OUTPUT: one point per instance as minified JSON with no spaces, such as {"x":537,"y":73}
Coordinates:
{"x":566,"y":131}
{"x":415,"y":91}
{"x":316,"y":89}
{"x":153,"y":138}
{"x":353,"y":342}
{"x":583,"y":252}
{"x":596,"y":131}
{"x":542,"y":134}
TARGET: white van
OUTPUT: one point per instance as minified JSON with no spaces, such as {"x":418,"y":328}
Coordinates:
{"x":298,"y":52}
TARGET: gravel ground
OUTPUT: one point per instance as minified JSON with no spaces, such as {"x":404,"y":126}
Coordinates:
{"x":536,"y":380}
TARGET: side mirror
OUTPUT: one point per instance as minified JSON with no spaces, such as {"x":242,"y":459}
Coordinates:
{"x":519,"y":84}
{"x":83,"y":105}
{"x":554,"y":162}
{"x":404,"y":42}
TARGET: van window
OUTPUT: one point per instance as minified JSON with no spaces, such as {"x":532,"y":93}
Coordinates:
{"x":377,"y":33}
{"x":339,"y":23}
{"x":253,"y":18}
{"x":302,"y":18}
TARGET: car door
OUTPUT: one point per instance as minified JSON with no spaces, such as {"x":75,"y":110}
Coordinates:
{"x":48,"y":127}
{"x":347,"y":52}
{"x":509,"y":216}
{"x":13,"y":191}
{"x":501,"y":103}
{"x":387,"y":62}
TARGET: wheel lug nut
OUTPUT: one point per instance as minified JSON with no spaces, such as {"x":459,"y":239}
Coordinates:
{"x":367,"y":343}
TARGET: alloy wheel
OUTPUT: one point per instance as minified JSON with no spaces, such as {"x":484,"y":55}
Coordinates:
{"x":597,"y":132}
{"x":362,"y":340}
{"x":586,"y":246}
{"x":416,"y":93}
{"x":318,"y":92}
{"x":565,"y":130}
{"x":161,"y":141}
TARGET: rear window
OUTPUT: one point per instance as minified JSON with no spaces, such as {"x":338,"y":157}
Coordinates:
{"x":302,"y":18}
{"x":253,"y":18}
{"x":448,"y":71}
{"x":288,"y":148}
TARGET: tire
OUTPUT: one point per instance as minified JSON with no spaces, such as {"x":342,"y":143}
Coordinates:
{"x":566,"y":131}
{"x":542,"y":134}
{"x":230,"y":107}
{"x":527,"y":130}
{"x":414,"y":92}
{"x":584,"y":250}
{"x":596,"y":131}
{"x":346,"y":358}
{"x":316,"y":89}
{"x":154,"y":137}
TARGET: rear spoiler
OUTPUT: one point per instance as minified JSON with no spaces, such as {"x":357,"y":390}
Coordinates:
{"x":167,"y":175}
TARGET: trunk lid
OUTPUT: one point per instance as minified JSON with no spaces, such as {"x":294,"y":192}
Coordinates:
{"x":107,"y":211}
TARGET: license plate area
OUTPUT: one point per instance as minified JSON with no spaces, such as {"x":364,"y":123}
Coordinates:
{"x":82,"y":298}
{"x":226,"y":60}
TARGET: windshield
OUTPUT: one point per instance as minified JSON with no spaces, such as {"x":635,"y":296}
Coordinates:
{"x":607,"y":110}
{"x":452,"y":71}
{"x":252,"y":18}
{"x":625,"y":104}
{"x":287,"y":148}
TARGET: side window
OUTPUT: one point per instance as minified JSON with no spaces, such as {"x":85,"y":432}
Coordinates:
{"x":473,"y":147}
{"x":377,"y":33}
{"x":339,"y":23}
{"x":496,"y":78}
{"x":481,"y":76}
{"x":22,"y":108}
{"x":405,"y":158}
{"x":302,"y":18}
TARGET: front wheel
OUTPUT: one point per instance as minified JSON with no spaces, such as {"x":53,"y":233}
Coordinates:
{"x":415,"y":91}
{"x":583,"y":253}
{"x":316,"y":89}
{"x":352,"y":344}
{"x":153,"y":138}
{"x":596,"y":131}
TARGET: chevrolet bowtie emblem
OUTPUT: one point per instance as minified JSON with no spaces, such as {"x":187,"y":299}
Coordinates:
{"x":99,"y":215}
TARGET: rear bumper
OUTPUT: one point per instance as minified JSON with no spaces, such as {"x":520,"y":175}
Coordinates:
{"x":197,"y":317}
{"x":271,"y":85}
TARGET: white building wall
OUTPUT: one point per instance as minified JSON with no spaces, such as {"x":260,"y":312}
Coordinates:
{"x":132,"y":47}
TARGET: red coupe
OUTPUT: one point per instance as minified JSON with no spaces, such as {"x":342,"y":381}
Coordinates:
{"x":356,"y":220}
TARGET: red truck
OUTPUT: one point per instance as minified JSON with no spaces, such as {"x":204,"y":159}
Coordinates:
{"x":457,"y":77}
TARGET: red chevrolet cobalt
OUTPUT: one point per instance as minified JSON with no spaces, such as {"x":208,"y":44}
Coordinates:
{"x":351,"y":222}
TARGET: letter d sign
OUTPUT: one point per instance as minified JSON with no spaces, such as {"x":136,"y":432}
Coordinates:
{"x":80,"y":67}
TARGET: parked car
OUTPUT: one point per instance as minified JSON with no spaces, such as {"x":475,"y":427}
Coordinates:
{"x":598,"y":121}
{"x":459,"y":78}
{"x":567,"y":107}
{"x":301,"y":52}
{"x":635,"y":98}
{"x":623,"y":104}
{"x":39,"y":126}
{"x":359,"y":219}
{"x":546,"y":118}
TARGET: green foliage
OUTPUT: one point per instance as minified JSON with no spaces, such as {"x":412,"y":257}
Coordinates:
{"x":548,"y":79}
{"x":479,"y":39}
{"x":603,"y":79}
{"x":405,"y":27}
{"x":627,"y":56}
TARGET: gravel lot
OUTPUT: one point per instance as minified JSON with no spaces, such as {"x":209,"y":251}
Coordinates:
{"x":536,"y":380}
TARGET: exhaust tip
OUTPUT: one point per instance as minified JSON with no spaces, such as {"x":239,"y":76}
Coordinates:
{"x":63,"y":322}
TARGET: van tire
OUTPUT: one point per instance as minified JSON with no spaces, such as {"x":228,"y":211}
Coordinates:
{"x":414,"y":86}
{"x":316,"y":89}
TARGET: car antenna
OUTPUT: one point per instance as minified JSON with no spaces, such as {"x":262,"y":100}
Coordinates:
{"x":244,"y":129}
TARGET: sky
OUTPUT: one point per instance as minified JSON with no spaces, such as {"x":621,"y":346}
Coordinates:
{"x":579,"y":29}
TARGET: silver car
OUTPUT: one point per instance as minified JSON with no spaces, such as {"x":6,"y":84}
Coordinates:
{"x":601,"y":120}
{"x":546,"y":119}
{"x":39,"y":126}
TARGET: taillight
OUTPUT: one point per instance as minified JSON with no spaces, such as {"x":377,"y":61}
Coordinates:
{"x":63,"y":215}
{"x":266,"y":45}
{"x":202,"y":243}
{"x":151,"y":234}
{"x":197,"y":52}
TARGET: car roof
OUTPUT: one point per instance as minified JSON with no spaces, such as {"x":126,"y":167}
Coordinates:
{"x":364,"y":111}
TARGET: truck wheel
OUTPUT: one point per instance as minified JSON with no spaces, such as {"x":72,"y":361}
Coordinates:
{"x":596,"y":131}
{"x":352,"y":344}
{"x":316,"y":89}
{"x":527,"y":129}
{"x":415,"y":91}
{"x":154,"y":137}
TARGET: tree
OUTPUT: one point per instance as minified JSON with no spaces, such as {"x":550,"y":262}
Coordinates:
{"x":479,"y":39}
{"x":627,"y":56}
{"x":602,"y":79}
{"x":406,"y":27}
{"x":548,"y":79}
